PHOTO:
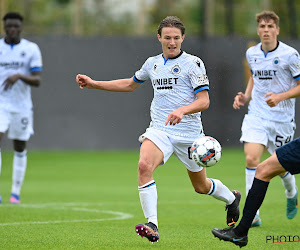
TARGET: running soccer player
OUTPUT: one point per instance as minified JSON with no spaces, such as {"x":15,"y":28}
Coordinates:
{"x":20,"y":68}
{"x":285,"y":158}
{"x":180,"y":87}
{"x":271,"y":90}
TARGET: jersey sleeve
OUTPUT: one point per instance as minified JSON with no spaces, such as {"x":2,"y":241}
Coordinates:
{"x":198,"y":77}
{"x":294,"y":65}
{"x":36,"y":63}
{"x":142,"y":75}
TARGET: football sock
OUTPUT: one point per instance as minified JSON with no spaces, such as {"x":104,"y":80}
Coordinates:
{"x":289,"y":182}
{"x":250,"y":173}
{"x":148,"y":199}
{"x":219,"y":191}
{"x":19,"y":169}
{"x":253,"y":202}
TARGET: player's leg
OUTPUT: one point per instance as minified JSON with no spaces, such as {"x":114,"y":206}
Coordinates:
{"x":219,"y":191}
{"x":253,"y":153}
{"x":19,"y":169}
{"x":204,"y":185}
{"x":150,"y":158}
{"x":264,"y":173}
{"x":284,"y":132}
{"x":155,"y":150}
{"x":21,"y":128}
{"x":255,"y":138}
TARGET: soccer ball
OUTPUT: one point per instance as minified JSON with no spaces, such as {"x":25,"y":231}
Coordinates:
{"x":206,"y":151}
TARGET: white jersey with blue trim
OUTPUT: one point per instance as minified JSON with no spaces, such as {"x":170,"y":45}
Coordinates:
{"x":175,"y":82}
{"x":277,"y":72}
{"x":22,"y":58}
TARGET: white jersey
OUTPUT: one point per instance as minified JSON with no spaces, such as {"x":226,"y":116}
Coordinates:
{"x":175,"y":82}
{"x":277,"y":72}
{"x":23,"y":58}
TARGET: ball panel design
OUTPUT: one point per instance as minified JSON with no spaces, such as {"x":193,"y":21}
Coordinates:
{"x":206,"y":151}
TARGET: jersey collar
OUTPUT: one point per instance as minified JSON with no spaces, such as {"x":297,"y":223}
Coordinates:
{"x":171,"y":58}
{"x":269,"y":50}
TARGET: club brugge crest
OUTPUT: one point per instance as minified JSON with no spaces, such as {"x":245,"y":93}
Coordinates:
{"x":276,"y":61}
{"x":176,"y":69}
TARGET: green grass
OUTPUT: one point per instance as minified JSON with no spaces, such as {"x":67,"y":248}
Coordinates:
{"x":89,"y":200}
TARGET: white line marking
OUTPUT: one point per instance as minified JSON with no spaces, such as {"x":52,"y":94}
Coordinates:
{"x":67,"y":206}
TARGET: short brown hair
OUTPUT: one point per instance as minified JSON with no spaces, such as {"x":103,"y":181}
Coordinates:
{"x":171,"y":21}
{"x":267,"y":15}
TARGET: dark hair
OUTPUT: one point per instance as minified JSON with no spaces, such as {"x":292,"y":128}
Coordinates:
{"x":12,"y":15}
{"x":268,"y":15}
{"x":171,"y":21}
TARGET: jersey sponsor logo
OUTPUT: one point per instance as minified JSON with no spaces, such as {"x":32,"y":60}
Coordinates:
{"x":164,"y":83}
{"x":276,"y":61}
{"x":12,"y":65}
{"x":265,"y":74}
{"x":176,"y":69}
{"x":202,"y":79}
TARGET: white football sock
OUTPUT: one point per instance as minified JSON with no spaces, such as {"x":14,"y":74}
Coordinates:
{"x":19,"y":169}
{"x":148,"y":199}
{"x":250,"y":174}
{"x":289,"y":182}
{"x":219,"y":191}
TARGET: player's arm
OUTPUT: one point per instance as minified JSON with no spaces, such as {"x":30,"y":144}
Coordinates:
{"x":242,"y":98}
{"x":33,"y":80}
{"x":273,"y":99}
{"x":200,"y":104}
{"x":120,"y":85}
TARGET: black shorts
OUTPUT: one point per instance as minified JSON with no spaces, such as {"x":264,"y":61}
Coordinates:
{"x":289,"y":156}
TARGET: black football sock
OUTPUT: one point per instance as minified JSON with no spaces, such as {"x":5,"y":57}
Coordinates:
{"x":253,"y":202}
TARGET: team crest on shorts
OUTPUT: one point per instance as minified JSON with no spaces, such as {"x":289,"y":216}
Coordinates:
{"x":176,"y":69}
{"x":276,"y":61}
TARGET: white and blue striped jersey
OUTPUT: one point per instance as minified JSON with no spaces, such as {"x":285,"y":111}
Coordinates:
{"x":175,"y":82}
{"x":277,"y":72}
{"x":22,"y":58}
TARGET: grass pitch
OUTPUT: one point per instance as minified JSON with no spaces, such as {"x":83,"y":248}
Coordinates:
{"x":89,"y":200}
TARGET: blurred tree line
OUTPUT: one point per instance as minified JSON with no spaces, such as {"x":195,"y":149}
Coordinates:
{"x":141,"y":17}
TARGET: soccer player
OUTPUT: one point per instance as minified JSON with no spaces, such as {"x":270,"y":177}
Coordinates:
{"x":180,"y":87}
{"x":285,"y":158}
{"x":20,"y":68}
{"x":271,"y":92}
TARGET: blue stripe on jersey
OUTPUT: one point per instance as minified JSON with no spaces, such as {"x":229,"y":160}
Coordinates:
{"x":197,"y":90}
{"x":297,"y":77}
{"x":251,"y":169}
{"x":36,"y":69}
{"x":137,"y":80}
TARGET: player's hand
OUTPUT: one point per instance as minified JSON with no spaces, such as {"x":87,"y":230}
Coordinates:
{"x":84,"y":81}
{"x":239,"y":100}
{"x":10,"y":81}
{"x":174,"y":117}
{"x":272,"y":99}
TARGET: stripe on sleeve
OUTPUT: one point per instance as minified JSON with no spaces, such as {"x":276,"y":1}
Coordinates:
{"x":137,"y":80}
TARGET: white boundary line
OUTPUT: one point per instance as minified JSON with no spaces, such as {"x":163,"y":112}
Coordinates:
{"x":68,"y":206}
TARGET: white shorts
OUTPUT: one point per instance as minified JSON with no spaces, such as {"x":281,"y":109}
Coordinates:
{"x":268,"y":133}
{"x":19,"y":125}
{"x":170,"y":144}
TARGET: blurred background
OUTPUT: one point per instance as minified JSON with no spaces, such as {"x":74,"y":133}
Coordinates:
{"x":111,"y":39}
